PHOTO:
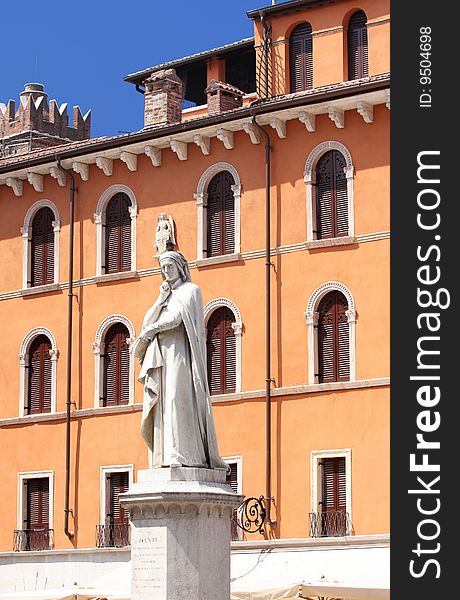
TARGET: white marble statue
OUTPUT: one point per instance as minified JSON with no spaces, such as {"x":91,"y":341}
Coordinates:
{"x":164,"y":233}
{"x":177,"y":421}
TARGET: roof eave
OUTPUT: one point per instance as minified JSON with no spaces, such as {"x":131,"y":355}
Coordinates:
{"x":286,"y":7}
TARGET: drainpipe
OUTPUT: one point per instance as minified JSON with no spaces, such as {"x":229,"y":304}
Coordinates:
{"x":268,"y":379}
{"x":68,"y":510}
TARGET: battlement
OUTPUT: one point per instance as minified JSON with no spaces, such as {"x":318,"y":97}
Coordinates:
{"x":37,"y":123}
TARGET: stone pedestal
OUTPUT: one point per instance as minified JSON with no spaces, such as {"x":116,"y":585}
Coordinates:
{"x":180,"y":536}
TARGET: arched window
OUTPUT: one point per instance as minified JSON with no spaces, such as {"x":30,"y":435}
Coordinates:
{"x":221,"y":215}
{"x":357,"y":46}
{"x":221,"y":349}
{"x":331,"y":196}
{"x":116,"y":366}
{"x":40,"y":380}
{"x":301,"y":58}
{"x":333,"y":338}
{"x":118,"y":234}
{"x":42,"y":254}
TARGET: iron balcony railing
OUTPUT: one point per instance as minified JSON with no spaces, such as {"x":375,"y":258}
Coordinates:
{"x":115,"y":535}
{"x":330,"y":524}
{"x":33,"y":539}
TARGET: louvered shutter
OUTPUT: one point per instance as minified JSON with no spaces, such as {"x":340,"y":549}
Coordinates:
{"x":118,"y":234}
{"x":232,"y":477}
{"x":331,"y":196}
{"x":40,"y":379}
{"x":42,"y":248}
{"x":301,"y":58}
{"x":116,"y":366}
{"x":221,"y":349}
{"x":334,"y":485}
{"x":221,"y":215}
{"x":37,"y":503}
{"x":118,"y":484}
{"x":333,"y":339}
{"x":357,"y":46}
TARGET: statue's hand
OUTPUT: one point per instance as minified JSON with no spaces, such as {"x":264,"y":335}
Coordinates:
{"x":165,"y":290}
{"x":148,"y":333}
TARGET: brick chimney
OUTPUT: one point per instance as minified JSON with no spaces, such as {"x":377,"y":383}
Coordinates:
{"x":163,"y":98}
{"x":222,"y":97}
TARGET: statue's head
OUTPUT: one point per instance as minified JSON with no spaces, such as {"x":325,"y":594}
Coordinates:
{"x":170,"y":259}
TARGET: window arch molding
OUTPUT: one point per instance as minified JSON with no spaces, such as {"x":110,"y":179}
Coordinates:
{"x":312,"y":316}
{"x":26,"y":231}
{"x":309,"y":178}
{"x":24,"y":364}
{"x":237,"y":326}
{"x":98,"y":350}
{"x":201,"y":198}
{"x":99,"y":219}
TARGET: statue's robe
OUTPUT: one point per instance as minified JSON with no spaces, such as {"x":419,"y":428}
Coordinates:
{"x":177,"y":421}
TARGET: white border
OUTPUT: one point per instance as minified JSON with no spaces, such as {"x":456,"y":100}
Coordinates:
{"x":309,"y":178}
{"x":315,"y":473}
{"x":201,"y":198}
{"x":99,"y":219}
{"x":24,"y":364}
{"x":237,"y":327}
{"x":26,"y":231}
{"x":98,"y":349}
{"x":312,"y":315}
{"x":22,"y":500}
{"x":104,"y":471}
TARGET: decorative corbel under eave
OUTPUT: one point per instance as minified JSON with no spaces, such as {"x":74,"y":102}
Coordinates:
{"x":129,"y":159}
{"x":180,"y":148}
{"x":387,"y":103}
{"x":36,"y":180}
{"x":337,"y":115}
{"x":226,"y":137}
{"x":203,"y":142}
{"x":252,"y":131}
{"x":154,"y":154}
{"x":59,"y":175}
{"x":82,"y":169}
{"x":16,"y":185}
{"x":366,"y":110}
{"x":105,"y":164}
{"x":279,"y":125}
{"x":308,"y":120}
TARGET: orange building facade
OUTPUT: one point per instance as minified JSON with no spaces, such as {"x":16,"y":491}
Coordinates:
{"x":320,"y":419}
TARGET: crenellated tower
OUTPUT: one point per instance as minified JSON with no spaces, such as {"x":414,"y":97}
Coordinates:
{"x":38,"y":123}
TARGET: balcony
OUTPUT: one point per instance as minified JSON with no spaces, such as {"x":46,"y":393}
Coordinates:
{"x":33,"y":539}
{"x":330,"y":524}
{"x":114,"y":535}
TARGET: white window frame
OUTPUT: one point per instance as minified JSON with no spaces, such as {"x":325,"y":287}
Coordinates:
{"x":316,"y":477}
{"x":238,"y":461}
{"x":98,"y":350}
{"x":237,"y":327}
{"x":312,"y":316}
{"x":201,"y":198}
{"x":26,"y":231}
{"x":99,"y":219}
{"x":310,"y":181}
{"x":22,"y":497}
{"x":104,"y":472}
{"x":24,"y":365}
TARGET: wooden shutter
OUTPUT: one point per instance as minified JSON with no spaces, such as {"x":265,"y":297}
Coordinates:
{"x":221,"y":348}
{"x":221,"y":215}
{"x":333,"y":339}
{"x":331,"y":196}
{"x":118,"y":484}
{"x":357,"y":46}
{"x":118,"y":234}
{"x":301,"y":58}
{"x":334,"y":485}
{"x":116,"y":366}
{"x":232,"y":477}
{"x":42,"y":251}
{"x":37,"y":503}
{"x":40,"y":379}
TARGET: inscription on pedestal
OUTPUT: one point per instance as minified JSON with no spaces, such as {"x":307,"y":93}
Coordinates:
{"x":148,"y":560}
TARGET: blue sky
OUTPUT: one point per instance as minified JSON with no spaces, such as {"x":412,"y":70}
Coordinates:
{"x":82,"y":50}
